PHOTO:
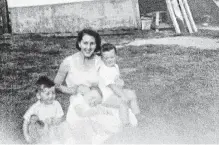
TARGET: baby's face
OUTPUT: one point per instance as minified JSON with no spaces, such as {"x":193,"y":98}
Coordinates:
{"x":94,"y":98}
{"x":109,"y":58}
{"x":47,"y":95}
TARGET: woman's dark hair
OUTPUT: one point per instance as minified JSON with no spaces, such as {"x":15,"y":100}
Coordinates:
{"x":107,"y":47}
{"x":91,"y":33}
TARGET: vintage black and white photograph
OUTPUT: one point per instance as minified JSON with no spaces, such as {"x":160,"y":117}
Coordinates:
{"x":109,"y":71}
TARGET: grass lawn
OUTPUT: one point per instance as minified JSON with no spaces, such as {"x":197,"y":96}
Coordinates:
{"x":177,"y":87}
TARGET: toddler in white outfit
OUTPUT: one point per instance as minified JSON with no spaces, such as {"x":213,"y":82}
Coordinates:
{"x":112,"y":87}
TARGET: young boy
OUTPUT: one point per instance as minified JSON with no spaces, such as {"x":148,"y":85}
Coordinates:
{"x":40,"y":118}
{"x":112,"y":85}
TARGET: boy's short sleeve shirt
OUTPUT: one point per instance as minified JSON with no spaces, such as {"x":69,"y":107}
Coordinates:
{"x":107,"y":76}
{"x":44,"y":112}
{"x":59,"y":111}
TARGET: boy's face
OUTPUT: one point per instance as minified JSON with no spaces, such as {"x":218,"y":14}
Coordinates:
{"x":94,"y":98}
{"x":109,"y":58}
{"x":47,"y":95}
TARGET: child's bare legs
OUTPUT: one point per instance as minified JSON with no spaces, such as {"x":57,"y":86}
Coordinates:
{"x":124,"y":113}
{"x":122,"y":105}
{"x":131,"y":96}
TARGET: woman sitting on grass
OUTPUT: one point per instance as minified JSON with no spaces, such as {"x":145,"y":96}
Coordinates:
{"x":80,"y":72}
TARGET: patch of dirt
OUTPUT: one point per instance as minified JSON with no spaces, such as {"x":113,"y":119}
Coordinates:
{"x":198,"y":42}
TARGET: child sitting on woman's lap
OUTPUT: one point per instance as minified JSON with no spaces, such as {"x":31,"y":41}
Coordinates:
{"x":112,"y":86}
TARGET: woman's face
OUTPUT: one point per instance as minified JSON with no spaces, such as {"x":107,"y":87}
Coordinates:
{"x":87,"y":45}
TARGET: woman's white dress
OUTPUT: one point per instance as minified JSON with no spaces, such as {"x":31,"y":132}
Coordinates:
{"x":77,"y":75}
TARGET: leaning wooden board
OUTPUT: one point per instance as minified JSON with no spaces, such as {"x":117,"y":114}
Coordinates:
{"x":172,"y":16}
{"x":185,"y":16}
{"x":187,"y":8}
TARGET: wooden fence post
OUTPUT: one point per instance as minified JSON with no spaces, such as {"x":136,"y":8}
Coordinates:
{"x":157,"y":21}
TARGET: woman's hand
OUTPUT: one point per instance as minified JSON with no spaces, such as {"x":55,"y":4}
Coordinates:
{"x":82,"y":89}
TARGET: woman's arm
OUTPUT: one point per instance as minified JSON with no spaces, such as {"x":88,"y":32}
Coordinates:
{"x":67,"y":90}
{"x":26,"y":132}
{"x":60,"y":77}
